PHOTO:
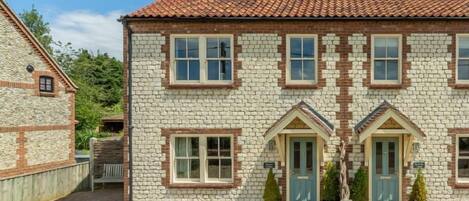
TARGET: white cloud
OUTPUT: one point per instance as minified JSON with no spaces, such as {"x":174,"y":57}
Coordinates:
{"x":91,"y":31}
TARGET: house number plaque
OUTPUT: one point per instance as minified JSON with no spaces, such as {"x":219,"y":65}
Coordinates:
{"x":269,"y":165}
{"x":419,"y":164}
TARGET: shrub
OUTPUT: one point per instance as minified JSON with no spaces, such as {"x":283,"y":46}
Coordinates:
{"x":359,"y":188}
{"x":330,"y":189}
{"x":82,"y":138}
{"x":419,"y":191}
{"x":271,"y":192}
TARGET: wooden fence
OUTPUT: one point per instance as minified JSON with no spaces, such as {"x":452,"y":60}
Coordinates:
{"x":46,"y":186}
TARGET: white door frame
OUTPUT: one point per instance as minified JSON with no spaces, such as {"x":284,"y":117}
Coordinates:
{"x":315,"y":137}
{"x":370,"y":164}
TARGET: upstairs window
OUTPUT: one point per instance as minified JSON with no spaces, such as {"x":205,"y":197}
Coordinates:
{"x":462,"y":59}
{"x":46,"y":84}
{"x":386,"y":59}
{"x":301,"y":59}
{"x":202,"y":59}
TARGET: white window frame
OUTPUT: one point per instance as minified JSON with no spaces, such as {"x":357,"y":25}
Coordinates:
{"x":457,"y":159}
{"x":458,"y":36}
{"x":399,"y":62}
{"x":185,"y":180}
{"x":202,"y":59}
{"x":288,"y":59}
{"x":203,"y":160}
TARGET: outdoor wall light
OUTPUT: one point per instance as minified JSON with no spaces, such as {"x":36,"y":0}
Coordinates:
{"x":271,"y":145}
{"x":416,"y":147}
{"x":30,"y":68}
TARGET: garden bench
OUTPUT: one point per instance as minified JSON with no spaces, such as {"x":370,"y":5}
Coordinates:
{"x":112,"y":173}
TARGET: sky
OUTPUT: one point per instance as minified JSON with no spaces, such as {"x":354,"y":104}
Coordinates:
{"x":87,"y":24}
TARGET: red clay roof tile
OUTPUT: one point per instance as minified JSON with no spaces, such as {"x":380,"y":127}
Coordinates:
{"x":303,"y":8}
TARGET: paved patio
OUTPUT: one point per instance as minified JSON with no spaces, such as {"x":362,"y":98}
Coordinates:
{"x":108,"y":194}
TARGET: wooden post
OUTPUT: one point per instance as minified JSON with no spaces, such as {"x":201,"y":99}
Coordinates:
{"x":92,"y":141}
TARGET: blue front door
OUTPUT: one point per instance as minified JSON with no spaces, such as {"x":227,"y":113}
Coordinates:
{"x":303,"y":169}
{"x":385,"y":169}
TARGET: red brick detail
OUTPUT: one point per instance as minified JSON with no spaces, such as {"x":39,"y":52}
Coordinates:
{"x":37,"y":75}
{"x":167,"y":133}
{"x":21,"y":151}
{"x":452,"y":181}
{"x":282,"y":64}
{"x":282,"y":181}
{"x":35,"y":128}
{"x":405,"y":81}
{"x":126,"y":153}
{"x":73,"y":122}
{"x":344,"y":99}
{"x":17,"y":85}
{"x":166,"y":64}
{"x":405,"y":181}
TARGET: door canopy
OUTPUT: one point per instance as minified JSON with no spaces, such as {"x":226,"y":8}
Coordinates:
{"x":387,"y":119}
{"x":301,"y":117}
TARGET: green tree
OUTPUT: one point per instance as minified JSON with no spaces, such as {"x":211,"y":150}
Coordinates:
{"x":87,"y":111}
{"x":330,"y":189}
{"x":40,"y":29}
{"x":272,"y":191}
{"x":102,"y":71}
{"x":65,"y":55}
{"x":359,"y":188}
{"x":419,"y":191}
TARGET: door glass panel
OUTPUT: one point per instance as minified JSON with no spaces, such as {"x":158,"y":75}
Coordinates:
{"x":391,"y":158}
{"x":309,"y":157}
{"x":379,"y":158}
{"x":296,"y":157}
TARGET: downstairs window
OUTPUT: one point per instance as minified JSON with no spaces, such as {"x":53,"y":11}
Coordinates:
{"x":202,"y":159}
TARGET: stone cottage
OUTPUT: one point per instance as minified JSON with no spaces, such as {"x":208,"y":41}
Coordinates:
{"x":37,"y":103}
{"x":218,"y":91}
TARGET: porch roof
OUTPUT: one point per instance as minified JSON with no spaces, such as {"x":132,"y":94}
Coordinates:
{"x":382,"y":113}
{"x":308,"y":115}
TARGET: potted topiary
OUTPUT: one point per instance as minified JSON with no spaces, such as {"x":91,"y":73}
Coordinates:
{"x":419,"y":191}
{"x":359,"y":188}
{"x":330,"y":189}
{"x":271,"y":191}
